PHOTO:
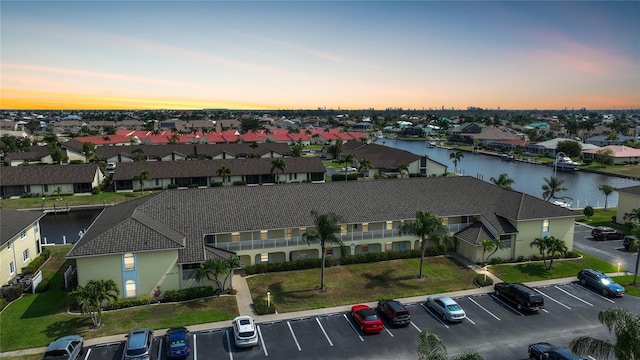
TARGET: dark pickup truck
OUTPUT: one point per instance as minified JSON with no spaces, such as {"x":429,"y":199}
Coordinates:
{"x":522,"y":296}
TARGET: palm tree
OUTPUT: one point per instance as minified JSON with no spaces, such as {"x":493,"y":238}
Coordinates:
{"x":211,"y":269}
{"x":496,"y":244}
{"x":432,"y":347}
{"x":487,"y":245}
{"x":347,"y":160}
{"x":426,"y":226}
{"x":223,"y":172}
{"x":402,"y":168}
{"x":232,"y":263}
{"x":142,"y":177}
{"x":554,"y":246}
{"x":503,"y":180}
{"x":634,"y":214}
{"x":365,"y":166}
{"x":456,"y":157}
{"x":278,"y":165}
{"x":624,"y":327}
{"x":93,"y":295}
{"x":551,"y":187}
{"x":336,"y":149}
{"x":326,"y":227}
{"x":634,"y":247}
{"x":606,"y":190}
{"x":542,"y":244}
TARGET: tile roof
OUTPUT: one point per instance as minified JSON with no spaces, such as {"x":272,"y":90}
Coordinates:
{"x":196,"y":212}
{"x":12,"y":222}
{"x":48,"y":174}
{"x":200,"y":168}
{"x":193,"y":150}
{"x":474,"y":234}
{"x":381,"y":157}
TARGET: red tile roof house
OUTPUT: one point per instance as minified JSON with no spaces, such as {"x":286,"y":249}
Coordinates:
{"x":44,"y":180}
{"x":621,"y":154}
{"x":159,"y":240}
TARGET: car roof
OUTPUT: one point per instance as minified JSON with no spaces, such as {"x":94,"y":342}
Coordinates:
{"x":138,"y":338}
{"x":446,"y":300}
{"x":244,"y":322}
{"x":62,"y":342}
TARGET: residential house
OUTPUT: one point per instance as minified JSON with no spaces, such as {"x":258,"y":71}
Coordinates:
{"x":548,"y":148}
{"x":160,"y":240}
{"x":621,"y":154}
{"x":202,"y":173}
{"x":46,"y":180}
{"x":19,"y":242}
{"x":42,"y":155}
{"x":603,"y":140}
{"x":628,"y":199}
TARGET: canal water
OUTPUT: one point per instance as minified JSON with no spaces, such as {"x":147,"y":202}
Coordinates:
{"x":65,"y":227}
{"x":582,"y":187}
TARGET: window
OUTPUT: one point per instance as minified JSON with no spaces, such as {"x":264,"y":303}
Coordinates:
{"x":343,"y":229}
{"x":365,"y":227}
{"x":388,"y":246}
{"x":365,"y":248}
{"x":12,"y":268}
{"x":129,"y":261}
{"x":329,"y":252}
{"x":287,"y":233}
{"x":445,"y":221}
{"x":507,"y":243}
{"x":46,"y":188}
{"x":130,"y":288}
{"x":9,"y":245}
{"x":25,"y":255}
{"x":36,"y":227}
{"x":264,"y":257}
{"x":23,"y":234}
{"x":389,"y":225}
{"x":235,"y":237}
{"x":545,"y":225}
{"x":302,"y":254}
{"x":264,"y":234}
{"x":302,"y":231}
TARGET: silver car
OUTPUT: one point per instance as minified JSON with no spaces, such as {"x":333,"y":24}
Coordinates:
{"x":446,"y":308}
{"x":65,"y":348}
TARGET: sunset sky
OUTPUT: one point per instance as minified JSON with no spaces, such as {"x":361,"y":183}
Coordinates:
{"x":330,"y":54}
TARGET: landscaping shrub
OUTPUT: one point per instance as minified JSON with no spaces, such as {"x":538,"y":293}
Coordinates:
{"x":3,"y":303}
{"x":192,"y":186}
{"x":496,"y":260}
{"x":44,"y":285}
{"x":262,"y":307}
{"x":239,"y":183}
{"x":12,"y":292}
{"x":341,"y":177}
{"x":172,"y":186}
{"x":215,"y":184}
{"x":188,"y":294}
{"x":128,"y":302}
{"x":96,"y":190}
{"x":37,"y":262}
{"x":76,"y":162}
{"x":480,"y":280}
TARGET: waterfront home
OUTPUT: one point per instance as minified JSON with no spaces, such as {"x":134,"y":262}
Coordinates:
{"x":19,"y":242}
{"x":621,"y":154}
{"x":47,"y":180}
{"x":160,"y":240}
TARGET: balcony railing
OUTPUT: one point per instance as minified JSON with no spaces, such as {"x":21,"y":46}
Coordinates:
{"x":355,"y":237}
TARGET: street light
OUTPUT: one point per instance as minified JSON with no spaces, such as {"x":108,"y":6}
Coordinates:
{"x":618,"y":267}
{"x":268,"y":299}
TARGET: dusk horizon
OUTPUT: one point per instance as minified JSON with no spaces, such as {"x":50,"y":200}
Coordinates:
{"x":267,"y":56}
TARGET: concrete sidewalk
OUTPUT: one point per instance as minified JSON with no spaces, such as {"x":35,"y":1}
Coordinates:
{"x":245,"y":307}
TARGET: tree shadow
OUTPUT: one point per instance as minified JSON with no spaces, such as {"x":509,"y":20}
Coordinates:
{"x":536,"y":270}
{"x":386,"y":280}
{"x":75,"y":325}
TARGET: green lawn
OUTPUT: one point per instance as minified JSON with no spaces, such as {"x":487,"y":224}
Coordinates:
{"x":534,"y":270}
{"x":360,"y":283}
{"x":43,"y":317}
{"x":627,"y":282}
{"x":105,"y":197}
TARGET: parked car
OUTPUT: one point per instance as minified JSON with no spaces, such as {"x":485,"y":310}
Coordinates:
{"x":446,"y":308}
{"x":367,"y":319}
{"x":627,"y":241}
{"x":395,"y":312}
{"x":522,"y":296}
{"x":244,"y":331}
{"x":544,"y":350}
{"x":606,"y":233}
{"x":601,"y":282}
{"x":177,"y":343}
{"x":138,"y":345}
{"x":349,"y":169}
{"x":65,"y":348}
{"x":111,"y":166}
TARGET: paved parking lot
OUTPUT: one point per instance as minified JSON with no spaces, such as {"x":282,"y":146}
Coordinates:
{"x":494,"y":329}
{"x":611,"y":251}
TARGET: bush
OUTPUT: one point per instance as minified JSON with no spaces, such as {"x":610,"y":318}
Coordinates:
{"x":44,"y":285}
{"x":215,"y":184}
{"x":76,"y":162}
{"x":12,"y":292}
{"x":496,"y":260}
{"x":37,"y":262}
{"x":27,"y":195}
{"x":3,"y":303}
{"x":192,"y":186}
{"x":172,"y":186}
{"x":96,"y":190}
{"x":128,"y":302}
{"x":239,"y":183}
{"x":481,"y":280}
{"x":262,"y":307}
{"x":188,"y":294}
{"x":342,"y":177}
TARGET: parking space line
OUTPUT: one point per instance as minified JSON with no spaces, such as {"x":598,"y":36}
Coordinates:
{"x":324,"y":332}
{"x":552,"y":299}
{"x":436,"y":317}
{"x":388,"y":331}
{"x":294,"y":336}
{"x":506,"y":305}
{"x":483,"y":308}
{"x":415,"y":326}
{"x":545,"y":310}
{"x":229,"y":345}
{"x":471,"y":321}
{"x":353,"y":327}
{"x":159,"y":348}
{"x":573,"y":296}
{"x":264,"y":346}
{"x":87,"y":354}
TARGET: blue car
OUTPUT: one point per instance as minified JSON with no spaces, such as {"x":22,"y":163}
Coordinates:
{"x":601,"y":282}
{"x":177,"y":342}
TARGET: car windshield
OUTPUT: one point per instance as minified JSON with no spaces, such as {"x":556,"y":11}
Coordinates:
{"x":607,"y":280}
{"x":454,"y":307}
{"x":370,"y":317}
{"x":55,"y":353}
{"x":177,"y":343}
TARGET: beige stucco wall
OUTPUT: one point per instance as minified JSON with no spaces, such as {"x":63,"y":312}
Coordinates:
{"x":528,"y":231}
{"x":13,"y":249}
{"x":626,"y":203}
{"x":73,"y":155}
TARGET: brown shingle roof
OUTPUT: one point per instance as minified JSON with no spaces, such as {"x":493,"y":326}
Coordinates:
{"x":194,"y":150}
{"x":48,"y":174}
{"x":12,"y":222}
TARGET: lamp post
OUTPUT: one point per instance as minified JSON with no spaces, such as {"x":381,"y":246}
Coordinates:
{"x":618,"y":267}
{"x":268,"y":299}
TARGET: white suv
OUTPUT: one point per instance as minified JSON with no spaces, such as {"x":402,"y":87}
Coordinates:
{"x":244,"y":331}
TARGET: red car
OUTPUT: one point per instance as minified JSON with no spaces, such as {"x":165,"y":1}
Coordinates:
{"x":367,"y":318}
{"x":606,"y":233}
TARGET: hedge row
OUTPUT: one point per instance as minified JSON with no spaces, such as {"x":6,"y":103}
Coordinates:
{"x":345,"y":260}
{"x":188,"y":294}
{"x":262,"y":307}
{"x":35,"y":264}
{"x":128,"y":302}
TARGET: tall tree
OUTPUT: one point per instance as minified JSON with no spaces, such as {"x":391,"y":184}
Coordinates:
{"x":347,"y":160}
{"x":551,"y":187}
{"x":542,"y":244}
{"x":212,"y":269}
{"x":634,"y":247}
{"x":403,"y":168}
{"x":426,"y":226}
{"x":336,"y":149}
{"x":606,"y":190}
{"x":93,"y":295}
{"x":624,"y":327}
{"x":456,"y":157}
{"x":503,"y":180}
{"x":223,"y":172}
{"x":365,"y":166}
{"x":326,"y":227}
{"x":278,"y":166}
{"x":555,"y":245}
{"x":89,"y":150}
{"x":141,"y":178}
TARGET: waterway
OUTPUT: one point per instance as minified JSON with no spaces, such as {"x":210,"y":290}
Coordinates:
{"x":582,"y":187}
{"x":64,"y":228}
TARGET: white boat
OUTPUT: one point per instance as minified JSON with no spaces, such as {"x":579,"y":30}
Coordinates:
{"x":564,"y":204}
{"x":564,"y":162}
